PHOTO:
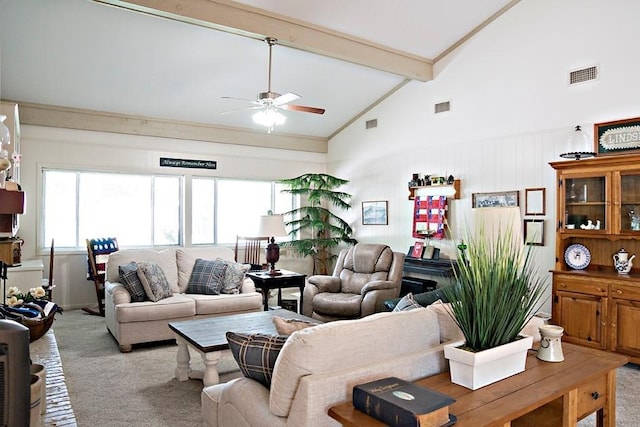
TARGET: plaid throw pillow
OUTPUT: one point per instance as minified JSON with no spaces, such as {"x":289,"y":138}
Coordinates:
{"x":207,"y":277}
{"x":154,"y":281}
{"x":256,"y":354}
{"x":407,"y":302}
{"x":233,"y":277}
{"x":131,"y":282}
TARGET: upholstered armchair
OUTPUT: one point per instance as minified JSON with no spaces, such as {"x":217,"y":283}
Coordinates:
{"x":364,"y":277}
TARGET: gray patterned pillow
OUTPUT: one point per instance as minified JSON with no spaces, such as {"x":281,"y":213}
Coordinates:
{"x":131,"y":282}
{"x":407,"y":302}
{"x":207,"y":277}
{"x":256,"y":354}
{"x":154,"y":281}
{"x":233,"y":277}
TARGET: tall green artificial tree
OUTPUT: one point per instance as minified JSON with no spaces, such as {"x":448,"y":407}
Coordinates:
{"x":318,"y":229}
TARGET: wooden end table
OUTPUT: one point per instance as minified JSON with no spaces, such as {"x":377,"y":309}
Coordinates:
{"x":208,"y":337}
{"x":285,"y":279}
{"x":545,"y":394}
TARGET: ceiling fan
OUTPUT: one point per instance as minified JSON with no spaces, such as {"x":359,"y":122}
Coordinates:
{"x":269,"y":103}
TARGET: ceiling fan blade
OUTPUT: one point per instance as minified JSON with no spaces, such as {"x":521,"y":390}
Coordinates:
{"x":241,"y":109}
{"x":286,"y":98}
{"x":303,"y":108}
{"x":253,"y":101}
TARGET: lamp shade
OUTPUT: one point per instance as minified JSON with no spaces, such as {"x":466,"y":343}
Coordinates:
{"x":272,"y":226}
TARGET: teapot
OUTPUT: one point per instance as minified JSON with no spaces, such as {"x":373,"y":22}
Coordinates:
{"x":622,"y":262}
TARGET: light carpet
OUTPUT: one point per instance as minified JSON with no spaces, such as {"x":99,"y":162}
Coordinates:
{"x":109,"y":388}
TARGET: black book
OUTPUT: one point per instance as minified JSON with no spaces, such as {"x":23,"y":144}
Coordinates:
{"x":402,"y":403}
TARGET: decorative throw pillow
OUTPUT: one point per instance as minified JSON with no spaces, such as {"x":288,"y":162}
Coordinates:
{"x":289,"y":326}
{"x":131,"y":282}
{"x":256,"y":354}
{"x":233,"y":277}
{"x":407,"y":302}
{"x":207,"y":277}
{"x":153,"y":281}
{"x":449,"y":330}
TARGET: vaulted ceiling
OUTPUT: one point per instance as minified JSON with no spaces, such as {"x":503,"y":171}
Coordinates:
{"x":177,"y":59}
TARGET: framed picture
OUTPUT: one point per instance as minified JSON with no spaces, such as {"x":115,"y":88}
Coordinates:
{"x":431,"y":252}
{"x":428,"y":252}
{"x":496,"y":200}
{"x":534,"y":232}
{"x":617,"y":137}
{"x":374,"y":213}
{"x":416,"y":250}
{"x":534,"y":201}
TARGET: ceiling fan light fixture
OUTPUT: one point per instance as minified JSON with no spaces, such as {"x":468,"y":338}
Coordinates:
{"x":269,"y":117}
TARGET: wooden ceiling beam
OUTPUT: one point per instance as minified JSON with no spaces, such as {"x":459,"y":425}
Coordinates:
{"x":102,"y":121}
{"x":243,"y":20}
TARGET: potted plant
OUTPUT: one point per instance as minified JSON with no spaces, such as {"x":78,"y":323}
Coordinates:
{"x":317,"y":228}
{"x":498,"y":291}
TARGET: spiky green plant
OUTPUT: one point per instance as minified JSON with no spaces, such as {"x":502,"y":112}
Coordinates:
{"x":498,"y":289}
{"x":317,"y":228}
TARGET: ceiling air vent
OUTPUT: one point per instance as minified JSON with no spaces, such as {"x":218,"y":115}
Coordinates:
{"x":370,"y":124}
{"x":583,"y":75}
{"x":441,"y":107}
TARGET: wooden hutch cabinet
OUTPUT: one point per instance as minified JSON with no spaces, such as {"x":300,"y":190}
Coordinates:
{"x":598,"y":208}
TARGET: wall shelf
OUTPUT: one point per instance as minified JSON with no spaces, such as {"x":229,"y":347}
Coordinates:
{"x":451,"y":191}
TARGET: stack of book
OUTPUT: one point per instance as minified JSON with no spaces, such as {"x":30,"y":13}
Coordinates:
{"x":401,"y":403}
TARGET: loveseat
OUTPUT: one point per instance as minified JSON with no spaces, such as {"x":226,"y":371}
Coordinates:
{"x":147,"y":321}
{"x":318,"y":367}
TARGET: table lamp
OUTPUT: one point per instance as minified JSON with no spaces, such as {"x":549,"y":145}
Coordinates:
{"x":272,"y":226}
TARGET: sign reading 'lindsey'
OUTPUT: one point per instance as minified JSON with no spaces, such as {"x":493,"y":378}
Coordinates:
{"x":186,"y":163}
{"x":617,"y":137}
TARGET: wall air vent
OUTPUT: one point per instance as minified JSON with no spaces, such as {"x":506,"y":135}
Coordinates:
{"x":583,"y":75}
{"x":442,"y":107}
{"x":370,"y":124}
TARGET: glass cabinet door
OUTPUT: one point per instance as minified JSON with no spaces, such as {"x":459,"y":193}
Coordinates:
{"x":585,"y":203}
{"x":630,"y":202}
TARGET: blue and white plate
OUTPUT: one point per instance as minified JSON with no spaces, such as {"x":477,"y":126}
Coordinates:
{"x":577,"y":256}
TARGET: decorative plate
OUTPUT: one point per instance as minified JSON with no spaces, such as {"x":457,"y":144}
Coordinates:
{"x":577,"y":256}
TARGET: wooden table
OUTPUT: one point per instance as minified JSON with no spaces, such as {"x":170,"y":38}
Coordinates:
{"x":285,"y":279}
{"x":545,"y":394}
{"x":208,"y":337}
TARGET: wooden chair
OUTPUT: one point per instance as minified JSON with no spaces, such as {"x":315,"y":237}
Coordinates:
{"x":98,"y":251}
{"x":251,"y":247}
{"x":48,"y":283}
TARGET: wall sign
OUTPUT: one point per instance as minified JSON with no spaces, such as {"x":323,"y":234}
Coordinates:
{"x":186,"y":163}
{"x":617,"y":137}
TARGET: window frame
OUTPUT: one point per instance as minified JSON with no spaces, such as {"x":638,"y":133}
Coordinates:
{"x":185,"y":229}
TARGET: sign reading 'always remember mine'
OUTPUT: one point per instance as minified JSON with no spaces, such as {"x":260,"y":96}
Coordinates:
{"x":186,"y":163}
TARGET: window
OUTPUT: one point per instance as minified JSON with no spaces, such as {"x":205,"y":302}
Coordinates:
{"x":225,"y":208}
{"x":147,"y":210}
{"x":139,"y":210}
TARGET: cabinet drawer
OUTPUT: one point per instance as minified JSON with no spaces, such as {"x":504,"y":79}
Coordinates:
{"x":591,"y":286}
{"x":592,"y":396}
{"x":624,"y":291}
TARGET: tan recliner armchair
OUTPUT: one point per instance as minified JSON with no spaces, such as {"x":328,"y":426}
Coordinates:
{"x":364,"y":277}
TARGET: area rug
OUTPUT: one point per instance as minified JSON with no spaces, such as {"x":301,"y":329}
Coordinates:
{"x":110,"y":388}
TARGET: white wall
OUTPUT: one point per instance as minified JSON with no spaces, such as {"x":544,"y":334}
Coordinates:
{"x":55,"y":147}
{"x":512,"y":111}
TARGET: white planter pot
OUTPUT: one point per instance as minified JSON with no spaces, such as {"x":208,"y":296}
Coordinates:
{"x":475,"y":370}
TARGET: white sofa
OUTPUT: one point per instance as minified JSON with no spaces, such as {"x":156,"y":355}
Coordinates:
{"x":318,"y":367}
{"x":139,"y":322}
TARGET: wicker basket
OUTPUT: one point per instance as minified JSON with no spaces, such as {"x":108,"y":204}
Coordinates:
{"x":38,"y":326}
